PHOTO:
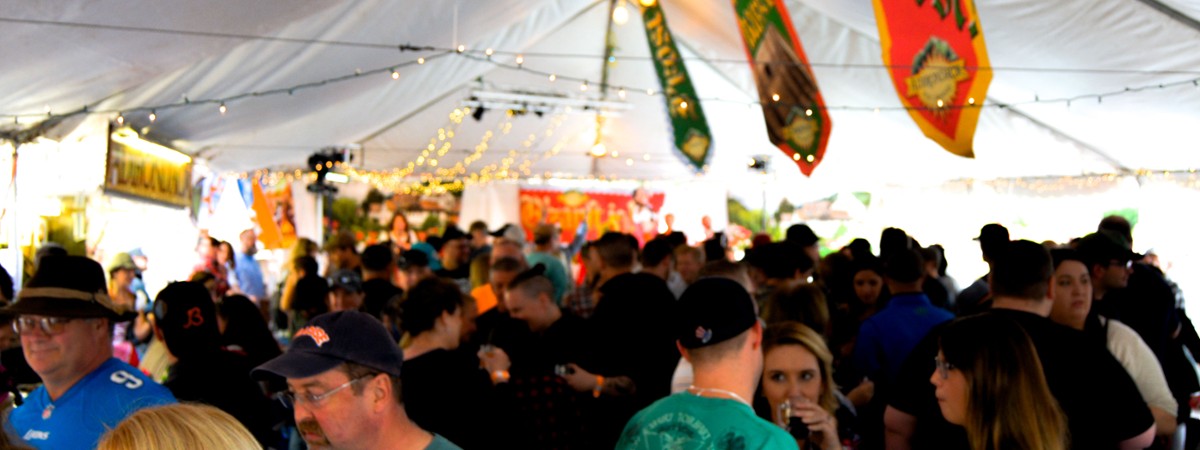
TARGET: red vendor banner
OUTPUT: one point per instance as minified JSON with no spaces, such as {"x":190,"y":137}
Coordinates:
{"x":934,"y":50}
{"x":601,"y":211}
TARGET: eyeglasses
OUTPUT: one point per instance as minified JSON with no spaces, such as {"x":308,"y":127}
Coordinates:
{"x":290,"y":399}
{"x":48,"y":325}
{"x":943,"y":367}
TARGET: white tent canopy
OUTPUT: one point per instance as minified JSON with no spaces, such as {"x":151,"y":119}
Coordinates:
{"x":119,"y":56}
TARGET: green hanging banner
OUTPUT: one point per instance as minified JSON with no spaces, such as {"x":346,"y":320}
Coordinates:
{"x":690,"y":129}
{"x":797,"y":121}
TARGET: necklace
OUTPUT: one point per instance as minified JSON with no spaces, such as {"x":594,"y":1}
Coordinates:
{"x":699,"y":392}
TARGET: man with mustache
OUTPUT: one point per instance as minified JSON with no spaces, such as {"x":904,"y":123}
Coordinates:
{"x":343,"y":376}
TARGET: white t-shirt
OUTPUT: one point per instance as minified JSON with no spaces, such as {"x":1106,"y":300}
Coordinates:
{"x":1137,"y":358}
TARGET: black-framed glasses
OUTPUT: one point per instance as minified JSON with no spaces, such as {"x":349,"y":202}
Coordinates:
{"x":943,"y":367}
{"x":291,"y":399}
{"x":48,"y":325}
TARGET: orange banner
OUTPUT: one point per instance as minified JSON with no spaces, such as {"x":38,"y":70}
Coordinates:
{"x":934,"y":50}
{"x":601,"y":211}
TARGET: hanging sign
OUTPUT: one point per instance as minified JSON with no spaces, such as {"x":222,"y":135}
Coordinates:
{"x":933,"y":50}
{"x":143,"y":169}
{"x":692,"y":138}
{"x":797,"y":121}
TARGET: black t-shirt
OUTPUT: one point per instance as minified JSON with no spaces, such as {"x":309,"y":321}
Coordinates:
{"x":222,"y":379}
{"x":446,"y":392}
{"x":1101,"y":403}
{"x":378,"y":292}
{"x":630,"y":335}
{"x":547,"y":411}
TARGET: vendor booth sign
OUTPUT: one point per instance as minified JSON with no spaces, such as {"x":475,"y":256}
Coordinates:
{"x":145,"y":170}
{"x":601,"y":211}
{"x":934,"y":51}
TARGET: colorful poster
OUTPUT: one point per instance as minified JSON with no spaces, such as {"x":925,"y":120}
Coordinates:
{"x":797,"y":121}
{"x":933,"y":50}
{"x":688,"y":125}
{"x":276,"y":214}
{"x":601,"y":211}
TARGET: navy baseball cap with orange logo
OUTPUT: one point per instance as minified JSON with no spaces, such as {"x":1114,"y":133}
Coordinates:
{"x":333,"y":339}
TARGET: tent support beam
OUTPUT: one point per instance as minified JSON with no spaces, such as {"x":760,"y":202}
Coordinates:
{"x":1173,"y":13}
{"x":1055,"y":131}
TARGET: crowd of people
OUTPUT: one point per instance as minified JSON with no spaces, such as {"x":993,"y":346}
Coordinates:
{"x":484,"y":339}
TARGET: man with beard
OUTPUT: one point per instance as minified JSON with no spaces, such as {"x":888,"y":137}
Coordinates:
{"x":343,"y":376}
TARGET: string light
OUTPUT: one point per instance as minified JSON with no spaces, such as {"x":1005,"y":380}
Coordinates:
{"x":461,"y":48}
{"x":775,"y":97}
{"x":620,"y":14}
{"x":488,"y":52}
{"x":553,"y":77}
{"x":520,"y":60}
{"x":395,"y":74}
{"x":153,"y":116}
{"x":120,"y":119}
{"x":421,"y":60}
{"x":222,"y":108}
{"x":621,"y":93}
{"x":584,"y":86}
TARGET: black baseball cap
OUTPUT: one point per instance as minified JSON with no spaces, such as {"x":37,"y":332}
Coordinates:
{"x":802,"y":235}
{"x":1105,"y":245}
{"x":346,"y":280}
{"x":187,"y":317}
{"x":333,"y":339}
{"x":711,"y":311}
{"x":993,"y":232}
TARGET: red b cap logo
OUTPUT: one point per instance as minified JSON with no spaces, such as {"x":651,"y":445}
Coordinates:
{"x":317,"y":334}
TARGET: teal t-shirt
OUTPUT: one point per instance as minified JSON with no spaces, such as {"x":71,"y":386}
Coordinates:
{"x":555,"y":271}
{"x":687,"y":421}
{"x":440,"y":443}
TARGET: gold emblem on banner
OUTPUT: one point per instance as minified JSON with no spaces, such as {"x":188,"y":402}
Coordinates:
{"x":801,"y":129}
{"x":937,"y":70}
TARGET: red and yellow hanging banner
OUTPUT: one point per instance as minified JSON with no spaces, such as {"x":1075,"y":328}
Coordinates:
{"x":934,"y":50}
{"x":602,"y":211}
{"x":797,"y":121}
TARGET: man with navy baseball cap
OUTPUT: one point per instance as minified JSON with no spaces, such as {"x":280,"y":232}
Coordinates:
{"x":343,"y":376}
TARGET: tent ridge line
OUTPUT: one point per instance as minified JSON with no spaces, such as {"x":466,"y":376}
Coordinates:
{"x":1122,"y":168}
{"x":1173,"y":13}
{"x":448,"y":92}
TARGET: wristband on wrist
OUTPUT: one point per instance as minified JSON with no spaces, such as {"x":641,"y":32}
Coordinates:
{"x":499,"y":376}
{"x":599,"y":386}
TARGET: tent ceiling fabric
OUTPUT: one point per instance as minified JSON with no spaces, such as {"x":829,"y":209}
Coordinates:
{"x":1093,"y":46}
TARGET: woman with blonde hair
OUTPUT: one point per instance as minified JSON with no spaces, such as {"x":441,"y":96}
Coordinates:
{"x":797,"y":384}
{"x":181,"y":425}
{"x":989,"y":380}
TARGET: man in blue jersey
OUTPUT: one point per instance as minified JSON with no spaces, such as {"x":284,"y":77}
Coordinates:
{"x":65,"y":319}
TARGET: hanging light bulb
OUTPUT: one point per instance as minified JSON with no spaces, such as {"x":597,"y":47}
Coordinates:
{"x":598,"y":150}
{"x":153,"y":116}
{"x":584,"y":86}
{"x":461,"y":48}
{"x":553,"y":77}
{"x":421,"y":60}
{"x":520,"y":60}
{"x":620,"y":14}
{"x":621,"y":93}
{"x":489,"y":52}
{"x":647,"y":3}
{"x":395,"y":74}
{"x":120,"y":119}
{"x":222,"y":108}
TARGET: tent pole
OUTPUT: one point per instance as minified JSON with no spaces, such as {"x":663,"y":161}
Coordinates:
{"x":609,"y":47}
{"x":1173,"y":13}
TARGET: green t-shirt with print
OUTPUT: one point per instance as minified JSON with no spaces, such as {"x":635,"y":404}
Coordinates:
{"x":687,"y":421}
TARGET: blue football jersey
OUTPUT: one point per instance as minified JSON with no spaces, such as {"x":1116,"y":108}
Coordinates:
{"x":88,"y":409}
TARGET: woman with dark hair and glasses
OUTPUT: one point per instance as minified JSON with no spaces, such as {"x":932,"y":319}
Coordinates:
{"x":989,"y":380}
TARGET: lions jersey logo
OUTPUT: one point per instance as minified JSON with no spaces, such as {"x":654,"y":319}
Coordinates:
{"x":317,"y":334}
